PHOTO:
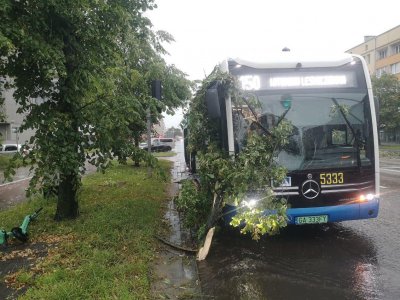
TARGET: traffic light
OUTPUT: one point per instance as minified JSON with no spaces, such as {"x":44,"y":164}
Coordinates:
{"x":156,"y":89}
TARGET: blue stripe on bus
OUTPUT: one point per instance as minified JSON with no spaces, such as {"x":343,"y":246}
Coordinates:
{"x":337,"y":213}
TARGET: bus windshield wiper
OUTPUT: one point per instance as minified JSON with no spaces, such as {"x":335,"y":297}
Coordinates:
{"x":357,"y":140}
{"x":282,"y":116}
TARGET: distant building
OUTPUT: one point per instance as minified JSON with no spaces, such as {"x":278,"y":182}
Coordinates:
{"x":159,"y":128}
{"x":381,"y":52}
{"x":9,"y":127}
{"x":13,"y":121}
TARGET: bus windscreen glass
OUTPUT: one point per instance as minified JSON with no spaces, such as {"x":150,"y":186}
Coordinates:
{"x":332,"y":126}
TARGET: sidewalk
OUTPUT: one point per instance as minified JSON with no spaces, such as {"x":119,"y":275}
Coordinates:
{"x":14,"y":192}
{"x":20,"y":173}
{"x":176,"y":275}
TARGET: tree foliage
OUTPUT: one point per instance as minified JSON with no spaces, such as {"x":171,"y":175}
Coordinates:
{"x":172,"y":132}
{"x":224,"y":179}
{"x":387,"y":91}
{"x":2,"y":103}
{"x":81,"y":72}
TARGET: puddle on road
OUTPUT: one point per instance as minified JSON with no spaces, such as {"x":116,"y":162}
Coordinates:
{"x":310,"y":262}
{"x":13,"y":194}
{"x":175,"y":272}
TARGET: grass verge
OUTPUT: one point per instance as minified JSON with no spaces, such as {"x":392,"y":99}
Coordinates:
{"x":389,"y":151}
{"x":4,"y":159}
{"x":390,"y":147}
{"x":105,"y":253}
{"x":164,"y":154}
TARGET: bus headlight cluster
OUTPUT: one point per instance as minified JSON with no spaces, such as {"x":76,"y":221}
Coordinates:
{"x":251,"y":203}
{"x":367,"y":197}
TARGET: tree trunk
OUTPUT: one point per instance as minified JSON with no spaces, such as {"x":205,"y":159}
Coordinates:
{"x":67,"y":204}
{"x":215,"y":212}
{"x":69,"y":104}
{"x":136,"y":158}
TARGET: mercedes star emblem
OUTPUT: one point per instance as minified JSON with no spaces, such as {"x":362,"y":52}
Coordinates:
{"x":310,"y":189}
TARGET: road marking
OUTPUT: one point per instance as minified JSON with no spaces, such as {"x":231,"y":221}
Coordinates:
{"x":12,"y":182}
{"x":389,"y":170}
{"x":383,"y":187}
{"x":391,"y":167}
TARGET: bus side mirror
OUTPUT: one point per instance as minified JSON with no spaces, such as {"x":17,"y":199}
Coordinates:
{"x":216,"y":108}
{"x":213,"y":102}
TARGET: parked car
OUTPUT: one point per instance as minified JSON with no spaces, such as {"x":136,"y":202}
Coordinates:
{"x":168,"y":142}
{"x":13,"y":148}
{"x":159,"y":145}
{"x":143,"y":145}
{"x":9,"y":148}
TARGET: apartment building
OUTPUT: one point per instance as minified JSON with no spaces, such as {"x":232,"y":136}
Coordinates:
{"x":159,"y":128}
{"x":9,"y":128}
{"x":381,"y":52}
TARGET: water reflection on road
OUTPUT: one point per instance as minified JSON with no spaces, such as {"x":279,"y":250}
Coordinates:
{"x":348,"y":260}
{"x":304,"y":262}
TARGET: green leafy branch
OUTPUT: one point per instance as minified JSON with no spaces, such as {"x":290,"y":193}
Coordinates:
{"x":225,"y":179}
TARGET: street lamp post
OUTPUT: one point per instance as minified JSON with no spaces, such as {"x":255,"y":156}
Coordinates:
{"x":15,"y":130}
{"x":155,"y":93}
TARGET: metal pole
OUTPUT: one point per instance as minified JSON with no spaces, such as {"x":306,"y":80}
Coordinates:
{"x":149,"y":172}
{"x":16,"y":133}
{"x":155,"y":93}
{"x":229,"y":120}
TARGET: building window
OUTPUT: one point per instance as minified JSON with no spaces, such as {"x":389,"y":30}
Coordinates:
{"x":382,"y":53}
{"x":380,"y":72}
{"x":396,"y":49}
{"x":395,"y":68}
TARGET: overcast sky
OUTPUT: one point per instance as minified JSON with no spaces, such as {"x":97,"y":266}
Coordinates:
{"x":208,"y":31}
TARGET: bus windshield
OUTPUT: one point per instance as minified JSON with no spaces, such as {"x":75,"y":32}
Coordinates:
{"x":331,"y":127}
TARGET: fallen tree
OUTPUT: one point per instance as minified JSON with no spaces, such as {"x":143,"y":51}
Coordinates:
{"x":237,"y":179}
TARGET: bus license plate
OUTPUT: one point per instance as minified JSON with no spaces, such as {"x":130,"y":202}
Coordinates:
{"x":311,"y":219}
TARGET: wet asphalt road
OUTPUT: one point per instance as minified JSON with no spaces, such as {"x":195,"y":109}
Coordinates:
{"x":14,"y":192}
{"x":348,"y":260}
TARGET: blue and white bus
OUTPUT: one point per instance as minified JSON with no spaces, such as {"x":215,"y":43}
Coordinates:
{"x":332,"y":157}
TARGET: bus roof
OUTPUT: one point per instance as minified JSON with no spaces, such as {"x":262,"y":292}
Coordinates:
{"x":291,"y":60}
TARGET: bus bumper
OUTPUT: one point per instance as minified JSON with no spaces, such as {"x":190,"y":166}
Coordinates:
{"x":357,"y":211}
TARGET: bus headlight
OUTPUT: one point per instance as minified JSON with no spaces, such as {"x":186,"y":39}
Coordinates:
{"x":251,"y":203}
{"x":367,"y":197}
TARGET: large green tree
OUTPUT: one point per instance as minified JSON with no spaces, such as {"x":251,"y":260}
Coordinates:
{"x":2,"y":113}
{"x":143,"y":63}
{"x":77,"y":70}
{"x":2,"y":100}
{"x":387,"y":91}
